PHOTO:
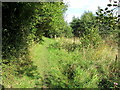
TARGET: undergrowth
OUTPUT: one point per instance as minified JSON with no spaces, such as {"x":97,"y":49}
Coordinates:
{"x":62,"y":63}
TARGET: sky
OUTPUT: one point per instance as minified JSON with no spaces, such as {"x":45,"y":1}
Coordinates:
{"x":78,"y":7}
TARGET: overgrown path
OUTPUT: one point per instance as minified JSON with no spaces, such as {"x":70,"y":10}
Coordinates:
{"x":40,"y":56}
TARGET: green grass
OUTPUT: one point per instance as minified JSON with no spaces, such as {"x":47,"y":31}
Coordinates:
{"x":56,"y":67}
{"x":39,"y":54}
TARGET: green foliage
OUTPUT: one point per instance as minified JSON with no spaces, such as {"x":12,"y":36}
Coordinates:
{"x":15,"y":28}
{"x":50,"y":18}
{"x":67,"y":31}
{"x":56,"y":63}
{"x":80,"y":69}
{"x":75,"y":25}
{"x":86,"y":68}
{"x":17,"y":19}
{"x":80,"y":25}
{"x":91,"y":38}
{"x":25,"y":23}
{"x":107,"y":21}
{"x":86,"y":29}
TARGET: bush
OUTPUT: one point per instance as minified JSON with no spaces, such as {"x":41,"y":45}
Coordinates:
{"x":92,"y":38}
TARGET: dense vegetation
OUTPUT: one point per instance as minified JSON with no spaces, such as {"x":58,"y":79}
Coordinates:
{"x":41,"y":50}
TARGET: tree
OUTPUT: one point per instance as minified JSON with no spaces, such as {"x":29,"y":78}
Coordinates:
{"x":51,"y":18}
{"x":106,"y":21}
{"x":80,"y":25}
{"x":16,"y":28}
{"x":67,"y":30}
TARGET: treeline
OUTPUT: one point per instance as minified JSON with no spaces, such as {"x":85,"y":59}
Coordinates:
{"x":92,"y":28}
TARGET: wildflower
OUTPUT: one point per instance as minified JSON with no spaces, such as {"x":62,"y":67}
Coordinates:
{"x":115,"y":83}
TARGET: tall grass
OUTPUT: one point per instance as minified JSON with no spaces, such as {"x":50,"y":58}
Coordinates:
{"x":85,"y":67}
{"x":62,"y":63}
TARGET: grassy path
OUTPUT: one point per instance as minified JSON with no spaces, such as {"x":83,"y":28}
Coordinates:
{"x":40,"y":55}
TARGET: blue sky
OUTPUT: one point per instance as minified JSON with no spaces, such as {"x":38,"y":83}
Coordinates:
{"x":77,"y":7}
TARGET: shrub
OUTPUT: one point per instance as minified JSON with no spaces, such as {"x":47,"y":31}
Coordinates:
{"x":91,"y":38}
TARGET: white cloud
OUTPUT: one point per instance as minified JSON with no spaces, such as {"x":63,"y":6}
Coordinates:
{"x":86,"y":3}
